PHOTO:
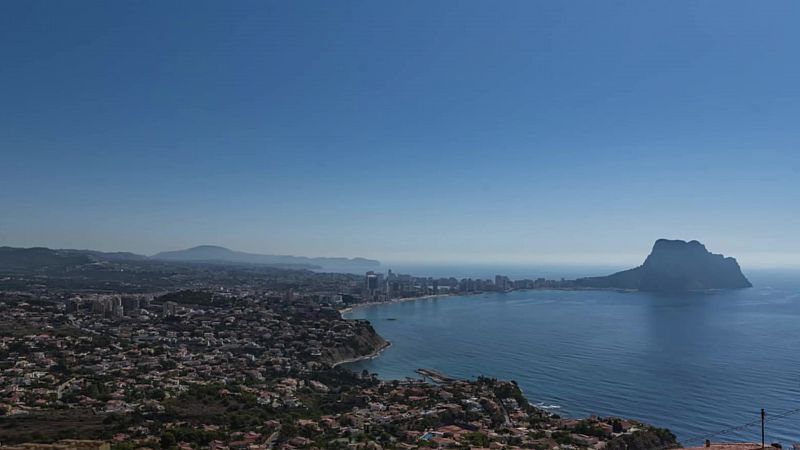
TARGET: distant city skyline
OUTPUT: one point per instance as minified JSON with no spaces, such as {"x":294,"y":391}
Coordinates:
{"x":415,"y":132}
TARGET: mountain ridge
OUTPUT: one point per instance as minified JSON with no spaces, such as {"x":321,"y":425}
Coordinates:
{"x":207,"y":253}
{"x":32,"y":258}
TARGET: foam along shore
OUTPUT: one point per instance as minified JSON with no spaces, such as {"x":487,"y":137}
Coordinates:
{"x":372,"y":355}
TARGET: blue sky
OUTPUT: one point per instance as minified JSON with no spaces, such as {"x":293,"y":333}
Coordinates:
{"x":421,"y":131}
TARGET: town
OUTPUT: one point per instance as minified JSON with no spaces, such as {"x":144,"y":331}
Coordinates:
{"x":249,"y":358}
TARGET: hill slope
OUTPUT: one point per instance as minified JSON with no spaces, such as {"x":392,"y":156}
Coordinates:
{"x":12,"y":258}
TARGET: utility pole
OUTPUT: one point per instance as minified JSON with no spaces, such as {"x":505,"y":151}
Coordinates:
{"x":762,"y":428}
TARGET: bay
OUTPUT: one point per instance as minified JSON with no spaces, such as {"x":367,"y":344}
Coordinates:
{"x":695,"y":363}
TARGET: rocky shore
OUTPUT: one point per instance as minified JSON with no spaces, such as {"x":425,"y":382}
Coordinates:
{"x":365,"y":343}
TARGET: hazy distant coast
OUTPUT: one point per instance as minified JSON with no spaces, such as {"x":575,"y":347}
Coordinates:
{"x":671,"y":266}
{"x":37,"y":257}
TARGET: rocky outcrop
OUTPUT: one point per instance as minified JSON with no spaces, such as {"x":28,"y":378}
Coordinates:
{"x":676,"y":265}
{"x":364,"y":343}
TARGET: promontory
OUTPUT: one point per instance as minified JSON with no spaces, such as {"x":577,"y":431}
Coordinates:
{"x":676,"y":266}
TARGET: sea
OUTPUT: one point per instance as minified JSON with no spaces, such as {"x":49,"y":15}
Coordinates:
{"x":701,"y":364}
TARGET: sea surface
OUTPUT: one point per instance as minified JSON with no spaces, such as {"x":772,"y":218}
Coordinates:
{"x":694,"y":363}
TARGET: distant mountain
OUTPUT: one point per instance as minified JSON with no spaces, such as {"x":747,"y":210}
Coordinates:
{"x":41,"y":258}
{"x":675,"y":265}
{"x":213,"y":253}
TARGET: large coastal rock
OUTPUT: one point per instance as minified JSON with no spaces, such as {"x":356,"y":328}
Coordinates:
{"x":676,"y":265}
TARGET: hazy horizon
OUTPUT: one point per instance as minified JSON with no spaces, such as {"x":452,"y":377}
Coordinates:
{"x":420,"y":132}
{"x":596,"y":263}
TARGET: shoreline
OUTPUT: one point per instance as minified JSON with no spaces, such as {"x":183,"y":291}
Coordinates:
{"x":388,"y":344}
{"x":372,"y":355}
{"x":469,"y":294}
{"x":394,"y":301}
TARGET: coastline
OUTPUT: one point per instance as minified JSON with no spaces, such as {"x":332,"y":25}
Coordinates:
{"x":468,"y":294}
{"x":390,"y":302}
{"x":387,"y":344}
{"x":372,"y":355}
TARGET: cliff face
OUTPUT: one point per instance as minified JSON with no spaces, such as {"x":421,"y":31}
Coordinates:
{"x":676,"y":265}
{"x":680,"y":265}
{"x":364,"y":343}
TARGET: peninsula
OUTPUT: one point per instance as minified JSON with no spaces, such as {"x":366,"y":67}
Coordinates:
{"x":675,"y":266}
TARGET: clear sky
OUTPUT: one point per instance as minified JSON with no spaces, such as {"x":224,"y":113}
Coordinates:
{"x":467,"y":131}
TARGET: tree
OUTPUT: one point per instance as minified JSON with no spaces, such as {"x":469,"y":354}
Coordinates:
{"x":168,"y":440}
{"x":476,"y":439}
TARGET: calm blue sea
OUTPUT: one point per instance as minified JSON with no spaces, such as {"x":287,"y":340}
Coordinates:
{"x":694,"y":363}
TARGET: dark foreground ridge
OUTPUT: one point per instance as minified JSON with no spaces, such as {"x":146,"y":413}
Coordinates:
{"x":675,"y":266}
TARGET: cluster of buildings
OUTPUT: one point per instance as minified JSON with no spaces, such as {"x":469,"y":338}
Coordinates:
{"x":249,"y":361}
{"x":109,"y":305}
{"x":54,"y":356}
{"x":483,"y":413}
{"x":379,"y":288}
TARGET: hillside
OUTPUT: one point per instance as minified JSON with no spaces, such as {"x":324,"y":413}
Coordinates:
{"x":39,"y":257}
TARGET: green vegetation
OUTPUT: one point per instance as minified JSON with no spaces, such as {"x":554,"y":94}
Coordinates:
{"x":475,"y":439}
{"x":590,"y":428}
{"x":644,"y":440}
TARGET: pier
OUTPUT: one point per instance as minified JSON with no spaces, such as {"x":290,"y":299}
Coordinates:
{"x":436,"y":376}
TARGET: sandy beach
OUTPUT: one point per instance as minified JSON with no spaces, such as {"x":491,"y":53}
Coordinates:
{"x":397,"y":300}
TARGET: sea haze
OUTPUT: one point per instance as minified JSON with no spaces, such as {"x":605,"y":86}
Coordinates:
{"x":694,"y":363}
